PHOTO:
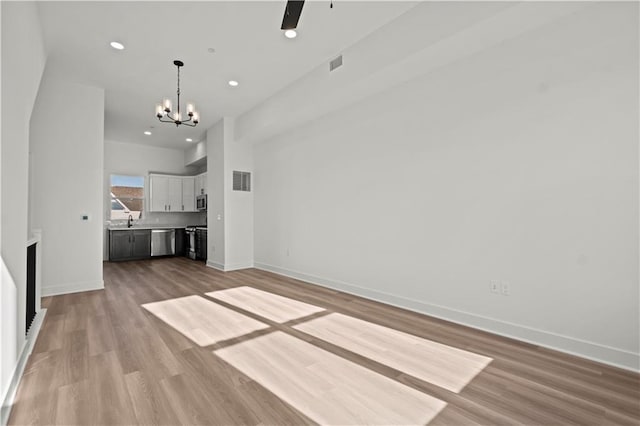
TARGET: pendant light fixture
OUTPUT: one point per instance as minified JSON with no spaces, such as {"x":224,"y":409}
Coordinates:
{"x":164,"y":111}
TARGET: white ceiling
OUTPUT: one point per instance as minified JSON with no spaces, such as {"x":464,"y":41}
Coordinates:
{"x":249,"y":47}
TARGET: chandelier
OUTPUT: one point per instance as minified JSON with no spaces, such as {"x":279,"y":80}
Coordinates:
{"x":163,"y":110}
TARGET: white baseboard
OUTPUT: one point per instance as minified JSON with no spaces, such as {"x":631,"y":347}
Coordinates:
{"x":72,"y":288}
{"x":590,"y":350}
{"x":215,"y":265}
{"x":229,"y":267}
{"x":9,"y":397}
{"x":238,"y":266}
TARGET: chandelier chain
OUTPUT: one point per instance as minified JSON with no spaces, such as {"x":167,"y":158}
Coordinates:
{"x":178,"y":91}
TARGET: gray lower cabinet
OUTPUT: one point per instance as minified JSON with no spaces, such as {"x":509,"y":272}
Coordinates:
{"x":129,"y":244}
{"x":180,"y":242}
{"x":141,"y":244}
{"x":201,"y":244}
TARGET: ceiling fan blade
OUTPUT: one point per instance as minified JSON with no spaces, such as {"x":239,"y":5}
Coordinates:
{"x":292,"y":14}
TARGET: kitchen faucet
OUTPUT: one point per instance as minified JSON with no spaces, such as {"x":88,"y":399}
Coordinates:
{"x":130,"y":221}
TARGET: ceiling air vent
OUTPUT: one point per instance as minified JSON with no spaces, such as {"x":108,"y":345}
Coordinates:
{"x":337,"y":62}
{"x":241,"y":181}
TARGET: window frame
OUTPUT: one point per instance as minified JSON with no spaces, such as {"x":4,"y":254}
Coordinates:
{"x":126,"y":211}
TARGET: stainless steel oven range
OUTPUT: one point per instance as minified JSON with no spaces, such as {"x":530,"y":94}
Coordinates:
{"x":190,"y":248}
{"x":196,"y":242}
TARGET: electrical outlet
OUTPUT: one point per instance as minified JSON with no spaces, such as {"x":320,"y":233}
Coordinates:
{"x":505,"y":288}
{"x":494,"y":286}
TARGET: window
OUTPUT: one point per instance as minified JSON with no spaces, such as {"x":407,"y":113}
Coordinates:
{"x":127,"y":197}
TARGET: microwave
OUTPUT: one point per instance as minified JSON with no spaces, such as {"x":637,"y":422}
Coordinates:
{"x":201,"y":202}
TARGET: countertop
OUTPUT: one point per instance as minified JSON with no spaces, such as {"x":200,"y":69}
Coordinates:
{"x":144,"y":227}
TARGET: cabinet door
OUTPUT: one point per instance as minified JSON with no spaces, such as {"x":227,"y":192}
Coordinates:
{"x":201,"y":244}
{"x":198,"y":182}
{"x":203,"y":179}
{"x":188,"y":194}
{"x":159,"y":193}
{"x":119,"y":245}
{"x":141,"y":243}
{"x":175,"y":194}
{"x":181,"y":246}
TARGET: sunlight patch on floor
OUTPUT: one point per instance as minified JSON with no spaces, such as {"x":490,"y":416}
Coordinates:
{"x":203,"y":321}
{"x":441,"y":365}
{"x":268,"y":305}
{"x":325,"y":387}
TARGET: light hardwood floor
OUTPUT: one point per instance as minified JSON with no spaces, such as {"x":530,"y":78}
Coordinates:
{"x":268,"y":305}
{"x":327,"y":388}
{"x":442,"y":365}
{"x":101,"y":358}
{"x":202,"y":320}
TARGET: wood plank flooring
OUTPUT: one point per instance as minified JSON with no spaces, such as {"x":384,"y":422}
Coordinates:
{"x":433,"y":362}
{"x":328,"y":388}
{"x":101,"y":358}
{"x":203,"y":321}
{"x":268,"y":305}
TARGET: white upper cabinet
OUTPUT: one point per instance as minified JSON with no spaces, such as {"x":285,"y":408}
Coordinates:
{"x":172,"y":193}
{"x":201,"y":184}
{"x":175,"y":194}
{"x":159,"y":193}
{"x":188,"y":194}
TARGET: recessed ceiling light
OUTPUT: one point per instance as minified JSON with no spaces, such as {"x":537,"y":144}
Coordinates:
{"x":233,"y":83}
{"x":189,"y":140}
{"x":117,"y":45}
{"x":290,"y":34}
{"x":147,"y":133}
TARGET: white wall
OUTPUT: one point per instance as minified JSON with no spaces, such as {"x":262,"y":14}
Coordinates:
{"x":215,"y":197}
{"x":140,"y":160}
{"x":427,"y":37}
{"x":230,"y":233}
{"x":518,"y":163}
{"x":238,"y":204}
{"x":67,"y":156}
{"x":196,"y":154}
{"x":23,"y":61}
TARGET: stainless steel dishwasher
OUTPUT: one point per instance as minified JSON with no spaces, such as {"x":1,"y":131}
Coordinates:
{"x":163,"y":242}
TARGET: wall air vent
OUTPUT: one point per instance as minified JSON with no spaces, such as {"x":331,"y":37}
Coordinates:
{"x":335,"y":63}
{"x":241,"y":181}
